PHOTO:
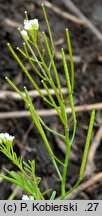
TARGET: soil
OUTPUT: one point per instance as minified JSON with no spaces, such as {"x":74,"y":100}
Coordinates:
{"x":88,"y":82}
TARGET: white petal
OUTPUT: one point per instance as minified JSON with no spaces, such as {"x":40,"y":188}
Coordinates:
{"x":25,"y":34}
{"x":6,"y":136}
{"x":25,"y":197}
{"x":31,"y":24}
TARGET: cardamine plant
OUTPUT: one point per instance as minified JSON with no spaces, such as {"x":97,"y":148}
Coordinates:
{"x":35,"y":48}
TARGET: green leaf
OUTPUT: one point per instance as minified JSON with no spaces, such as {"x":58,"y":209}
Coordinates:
{"x":53,"y":195}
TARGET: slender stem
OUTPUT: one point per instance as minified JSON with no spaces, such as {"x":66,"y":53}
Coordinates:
{"x":34,"y":56}
{"x":40,"y":129}
{"x":16,"y":89}
{"x":48,"y":26}
{"x":36,"y":120}
{"x":32,"y":64}
{"x":28,"y":75}
{"x":73,"y":188}
{"x":67,"y":156}
{"x":57,"y":169}
{"x":52,"y":101}
{"x":59,"y":161}
{"x":26,"y":15}
{"x":25,"y":70}
{"x":87,"y":145}
{"x":48,"y":72}
{"x":21,"y":51}
{"x":68,"y":82}
{"x":13,"y":194}
{"x":53,"y":65}
{"x":41,"y":44}
{"x":52,"y":131}
{"x":86,"y":150}
{"x":53,"y":195}
{"x":68,"y":147}
{"x":74,"y":132}
{"x":71,"y":99}
{"x":71,"y":58}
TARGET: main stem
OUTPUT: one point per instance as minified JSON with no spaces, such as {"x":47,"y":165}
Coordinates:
{"x":68,"y":146}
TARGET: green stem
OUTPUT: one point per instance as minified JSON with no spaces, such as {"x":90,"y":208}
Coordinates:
{"x":36,"y":120}
{"x":87,"y":145}
{"x":49,"y":75}
{"x":53,"y":65}
{"x":32,"y":64}
{"x":52,"y":131}
{"x":12,"y":196}
{"x":17,"y":90}
{"x":74,"y":132}
{"x":71,"y":58}
{"x":44,"y":138}
{"x":67,"y":156}
{"x":53,"y":195}
{"x":52,"y":101}
{"x":34,"y":56}
{"x":48,"y":26}
{"x":85,"y":155}
{"x":71,"y":100}
{"x":73,"y":188}
{"x":41,"y":44}
{"x":57,"y":169}
{"x":21,"y":51}
{"x":28,"y":75}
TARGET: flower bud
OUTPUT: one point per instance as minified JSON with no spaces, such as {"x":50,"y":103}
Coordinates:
{"x":25,"y":197}
{"x":6,"y":138}
{"x":25,"y":35}
{"x":31,"y":25}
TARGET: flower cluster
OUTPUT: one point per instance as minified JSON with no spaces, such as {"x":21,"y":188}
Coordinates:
{"x":25,"y":197}
{"x":30,"y":26}
{"x":6,"y":136}
{"x":24,"y":34}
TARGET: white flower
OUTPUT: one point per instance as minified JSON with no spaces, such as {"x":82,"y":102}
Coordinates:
{"x":6,"y":136}
{"x":24,"y":34}
{"x":31,"y":198}
{"x":25,"y":197}
{"x":31,"y":24}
